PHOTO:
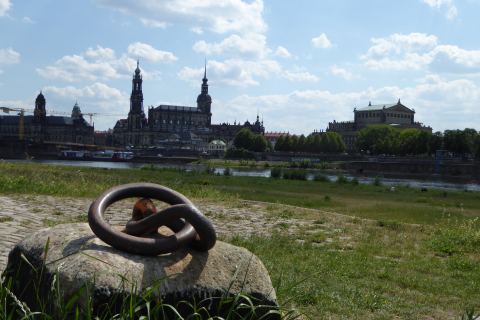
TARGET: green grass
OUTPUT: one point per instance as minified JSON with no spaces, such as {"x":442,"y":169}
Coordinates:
{"x":390,"y":272}
{"x":365,"y":201}
{"x":416,"y":256}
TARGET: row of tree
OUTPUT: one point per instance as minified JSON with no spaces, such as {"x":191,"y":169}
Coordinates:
{"x":375,"y":139}
{"x":384,"y":139}
{"x":247,"y":140}
{"x":329,"y":142}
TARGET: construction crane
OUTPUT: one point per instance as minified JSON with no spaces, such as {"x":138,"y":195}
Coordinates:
{"x":21,"y":120}
{"x":89,"y":114}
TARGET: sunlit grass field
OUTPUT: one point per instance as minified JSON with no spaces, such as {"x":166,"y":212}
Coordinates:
{"x":368,"y":252}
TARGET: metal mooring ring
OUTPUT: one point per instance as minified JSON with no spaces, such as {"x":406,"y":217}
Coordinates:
{"x":191,"y":227}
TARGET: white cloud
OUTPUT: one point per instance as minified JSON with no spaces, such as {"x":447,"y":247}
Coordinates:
{"x":146,"y":51}
{"x":153,"y":24}
{"x":321,"y":41}
{"x":451,"y":10}
{"x":250,"y":45}
{"x":301,"y":76}
{"x":4,"y":6}
{"x":220,"y":16}
{"x":109,"y":103}
{"x":28,"y":20}
{"x":341,"y":73}
{"x":197,"y":30}
{"x":417,"y":51}
{"x":9,"y":56}
{"x":439,"y":103}
{"x":282,"y":52}
{"x":233,"y":72}
{"x":103,"y":64}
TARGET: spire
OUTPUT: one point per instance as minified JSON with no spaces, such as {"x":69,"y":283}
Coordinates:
{"x":398,"y":101}
{"x":137,"y":70}
{"x":205,"y":71}
{"x":205,"y":80}
{"x":369,"y":103}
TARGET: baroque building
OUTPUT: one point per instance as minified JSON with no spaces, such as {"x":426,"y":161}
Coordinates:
{"x":41,"y":128}
{"x":395,"y":114}
{"x":172,"y":125}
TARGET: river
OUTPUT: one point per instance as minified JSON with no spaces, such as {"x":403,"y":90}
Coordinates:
{"x":432,"y":182}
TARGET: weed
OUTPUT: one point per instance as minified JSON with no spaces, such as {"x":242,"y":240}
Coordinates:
{"x":6,"y":219}
{"x":342,"y":179}
{"x":389,"y":224}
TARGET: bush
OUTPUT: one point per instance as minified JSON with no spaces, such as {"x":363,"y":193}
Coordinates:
{"x":342,"y":179}
{"x":227,"y":171}
{"x":239,"y":154}
{"x":377,"y":181}
{"x":355,"y":181}
{"x":276,"y":173}
{"x":320,"y":177}
{"x":295,"y":175}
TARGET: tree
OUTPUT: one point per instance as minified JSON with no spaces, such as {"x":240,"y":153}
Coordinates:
{"x":378,"y":139}
{"x":259,"y":143}
{"x":244,"y":139}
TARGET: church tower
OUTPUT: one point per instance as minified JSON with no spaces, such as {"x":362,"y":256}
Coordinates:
{"x":204,"y":101}
{"x":40,"y":112}
{"x":136,"y":116}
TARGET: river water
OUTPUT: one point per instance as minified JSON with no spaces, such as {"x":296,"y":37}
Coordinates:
{"x":433,"y":182}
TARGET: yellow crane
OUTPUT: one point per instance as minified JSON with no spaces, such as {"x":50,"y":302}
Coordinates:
{"x":21,"y":120}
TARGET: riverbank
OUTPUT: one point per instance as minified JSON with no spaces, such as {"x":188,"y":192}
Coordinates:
{"x":416,"y":256}
{"x":359,"y":200}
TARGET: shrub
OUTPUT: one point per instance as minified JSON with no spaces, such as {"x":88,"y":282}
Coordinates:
{"x":355,"y":181}
{"x":227,"y":172}
{"x":342,"y":179}
{"x":276,"y":173}
{"x":377,"y":181}
{"x":320,"y":177}
{"x":239,"y":154}
{"x":295,"y":175}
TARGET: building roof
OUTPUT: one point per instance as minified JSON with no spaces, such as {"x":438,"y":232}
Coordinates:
{"x":176,"y":108}
{"x":50,"y":120}
{"x":377,"y":107}
{"x":218,"y":142}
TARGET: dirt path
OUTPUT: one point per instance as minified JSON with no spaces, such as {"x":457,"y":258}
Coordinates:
{"x":21,"y":215}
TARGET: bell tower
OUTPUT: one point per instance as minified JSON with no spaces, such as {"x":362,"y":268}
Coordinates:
{"x":136,"y":116}
{"x":204,"y":101}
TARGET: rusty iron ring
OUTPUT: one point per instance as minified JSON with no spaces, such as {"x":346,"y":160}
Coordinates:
{"x":191,"y":227}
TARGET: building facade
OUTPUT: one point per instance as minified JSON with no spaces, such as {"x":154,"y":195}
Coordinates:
{"x":396,"y":115}
{"x":41,"y":128}
{"x":173,"y":126}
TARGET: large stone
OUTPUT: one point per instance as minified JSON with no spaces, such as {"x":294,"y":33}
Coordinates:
{"x":73,"y":255}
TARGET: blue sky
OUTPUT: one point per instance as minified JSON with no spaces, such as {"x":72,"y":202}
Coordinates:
{"x":299,"y":64}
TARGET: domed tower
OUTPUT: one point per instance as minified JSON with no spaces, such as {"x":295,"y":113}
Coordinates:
{"x":40,"y":112}
{"x":76,"y":112}
{"x":204,"y":101}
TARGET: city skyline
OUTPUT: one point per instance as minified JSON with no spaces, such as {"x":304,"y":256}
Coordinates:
{"x":300,"y":66}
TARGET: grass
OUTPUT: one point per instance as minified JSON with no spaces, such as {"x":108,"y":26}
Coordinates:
{"x":364,"y":201}
{"x":367,"y":252}
{"x":392,"y":270}
{"x":47,"y":301}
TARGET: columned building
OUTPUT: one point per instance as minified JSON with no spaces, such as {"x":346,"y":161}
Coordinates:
{"x":396,"y":115}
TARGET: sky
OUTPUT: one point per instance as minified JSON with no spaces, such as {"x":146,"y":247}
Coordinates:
{"x":298,"y":64}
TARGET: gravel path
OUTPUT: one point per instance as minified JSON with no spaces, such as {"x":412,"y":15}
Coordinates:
{"x":21,"y":215}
